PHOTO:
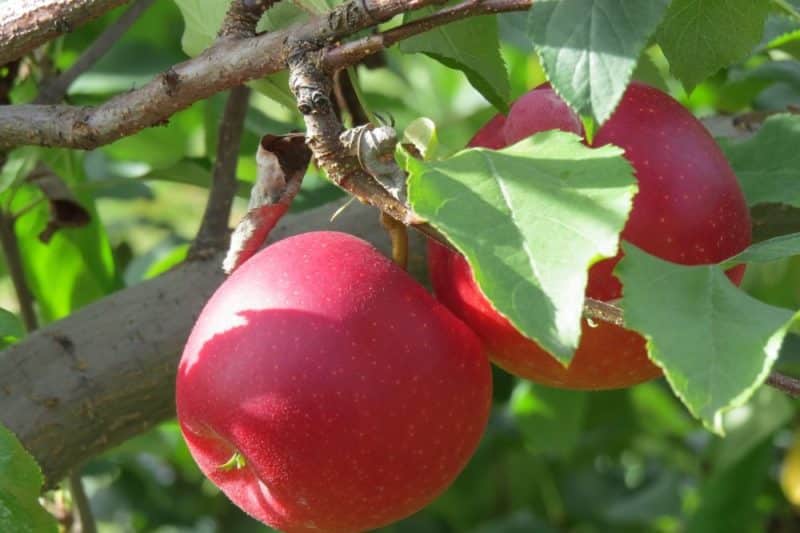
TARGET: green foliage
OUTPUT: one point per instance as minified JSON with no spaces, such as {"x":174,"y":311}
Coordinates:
{"x":589,"y":48}
{"x":455,"y":45}
{"x":701,"y":36}
{"x":20,"y":483}
{"x":728,"y":341}
{"x":768,"y":164}
{"x":530,"y":225}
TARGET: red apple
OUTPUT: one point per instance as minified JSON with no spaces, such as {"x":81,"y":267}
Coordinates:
{"x":323,"y":389}
{"x":689,"y":210}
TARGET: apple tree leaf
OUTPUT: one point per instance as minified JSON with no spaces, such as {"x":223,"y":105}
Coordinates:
{"x":472,"y":46}
{"x":11,"y":328}
{"x":589,"y":48}
{"x":699,"y":37}
{"x":768,"y":163}
{"x":765,"y":251}
{"x":20,"y":483}
{"x":530,"y":219}
{"x":202,"y":20}
{"x":715,"y":343}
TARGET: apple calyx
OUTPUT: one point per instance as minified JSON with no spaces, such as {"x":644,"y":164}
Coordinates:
{"x":236,"y":462}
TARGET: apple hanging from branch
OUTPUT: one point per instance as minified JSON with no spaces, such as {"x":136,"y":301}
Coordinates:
{"x":323,"y":389}
{"x":689,"y":210}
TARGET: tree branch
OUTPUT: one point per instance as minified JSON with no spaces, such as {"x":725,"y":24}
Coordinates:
{"x":213,"y":233}
{"x":84,"y":384}
{"x":226,"y":64}
{"x":54,"y":90}
{"x":348,"y":54}
{"x":26,"y":24}
{"x":243,"y":16}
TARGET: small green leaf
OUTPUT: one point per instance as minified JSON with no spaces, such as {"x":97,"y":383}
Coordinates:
{"x":768,"y":164}
{"x":11,"y":328}
{"x":471,"y":46}
{"x":421,"y":133}
{"x":19,"y":164}
{"x":20,"y":483}
{"x":699,"y":37}
{"x":766,"y":251}
{"x":589,"y":48}
{"x":202,"y":19}
{"x":715,"y":343}
{"x":530,"y":219}
{"x":549,"y":419}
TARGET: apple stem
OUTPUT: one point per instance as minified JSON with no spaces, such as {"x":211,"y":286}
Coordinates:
{"x":398,"y":233}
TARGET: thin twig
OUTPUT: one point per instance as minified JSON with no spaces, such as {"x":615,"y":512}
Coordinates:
{"x":10,"y":246}
{"x":347,"y":98}
{"x":54,"y":90}
{"x":350,"y":53}
{"x":787,"y":384}
{"x":213,"y":232}
{"x":81,"y":504}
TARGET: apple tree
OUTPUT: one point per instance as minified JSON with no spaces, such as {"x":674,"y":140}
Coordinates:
{"x":582,"y":316}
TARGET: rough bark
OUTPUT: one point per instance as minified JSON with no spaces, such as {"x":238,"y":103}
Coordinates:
{"x":26,"y":24}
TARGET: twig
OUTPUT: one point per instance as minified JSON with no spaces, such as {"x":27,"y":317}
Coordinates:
{"x":190,"y":81}
{"x":26,"y":25}
{"x":8,"y":241}
{"x":213,"y":232}
{"x":352,"y":52}
{"x":789,"y":385}
{"x":243,"y":16}
{"x":347,"y":98}
{"x":81,"y":503}
{"x":54,"y":90}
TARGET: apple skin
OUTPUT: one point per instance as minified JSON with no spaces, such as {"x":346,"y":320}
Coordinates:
{"x":354,"y":397}
{"x":689,"y":210}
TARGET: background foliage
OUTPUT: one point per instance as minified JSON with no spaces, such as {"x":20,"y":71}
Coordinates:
{"x":551,"y":460}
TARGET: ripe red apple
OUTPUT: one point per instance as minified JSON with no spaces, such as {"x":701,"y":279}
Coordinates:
{"x":689,"y":210}
{"x":323,"y":389}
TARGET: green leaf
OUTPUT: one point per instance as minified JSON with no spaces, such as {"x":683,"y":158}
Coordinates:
{"x":589,"y":48}
{"x":276,"y":87}
{"x":471,"y":46}
{"x":202,"y":19}
{"x":715,"y":343}
{"x":421,"y":133}
{"x":19,"y":163}
{"x":768,"y":164}
{"x":549,"y":419}
{"x":76,"y":267}
{"x":530,"y":219}
{"x":11,"y":328}
{"x":766,"y":251}
{"x":20,"y":483}
{"x":699,"y":37}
